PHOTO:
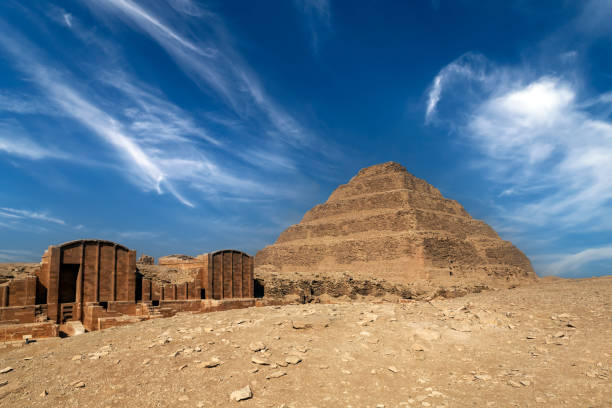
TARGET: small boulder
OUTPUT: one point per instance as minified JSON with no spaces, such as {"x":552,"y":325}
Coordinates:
{"x":242,"y":394}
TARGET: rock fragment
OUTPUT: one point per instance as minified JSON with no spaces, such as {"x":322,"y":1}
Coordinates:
{"x":293,"y":360}
{"x":242,"y":394}
{"x":300,"y":325}
{"x":276,"y":374}
{"x":213,"y":362}
{"x":257,"y":346}
{"x":259,"y":360}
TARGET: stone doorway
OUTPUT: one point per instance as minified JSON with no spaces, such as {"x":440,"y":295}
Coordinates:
{"x":68,"y":282}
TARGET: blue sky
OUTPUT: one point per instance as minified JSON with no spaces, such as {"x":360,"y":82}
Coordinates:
{"x":184,"y":126}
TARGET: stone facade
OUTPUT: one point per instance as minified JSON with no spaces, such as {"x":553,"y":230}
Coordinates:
{"x":96,"y":282}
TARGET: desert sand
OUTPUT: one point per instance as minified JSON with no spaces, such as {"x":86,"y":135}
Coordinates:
{"x":545,"y":344}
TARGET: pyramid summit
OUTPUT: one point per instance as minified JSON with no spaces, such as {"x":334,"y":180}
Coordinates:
{"x":387,"y":223}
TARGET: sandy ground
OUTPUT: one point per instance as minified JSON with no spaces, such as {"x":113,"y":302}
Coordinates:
{"x":544,"y":345}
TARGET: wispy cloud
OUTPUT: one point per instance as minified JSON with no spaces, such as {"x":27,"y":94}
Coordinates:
{"x":545,"y":145}
{"x":16,"y":255}
{"x":467,"y":70}
{"x":572,"y":263}
{"x":318,"y":19}
{"x":76,"y":105}
{"x":212,"y":63}
{"x":14,"y":141}
{"x":138,"y":235}
{"x":158,"y":143}
{"x":24,"y":104}
{"x":19,"y":214}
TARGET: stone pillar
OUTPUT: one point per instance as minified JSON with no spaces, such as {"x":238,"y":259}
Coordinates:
{"x":53,"y":311}
{"x":131,"y":276}
{"x":5,"y":296}
{"x":114,"y":275}
{"x":97,"y":280}
{"x":81,"y":283}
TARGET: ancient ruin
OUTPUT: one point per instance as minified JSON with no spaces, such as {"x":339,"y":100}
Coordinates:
{"x":386,"y":223}
{"x":97,"y":284}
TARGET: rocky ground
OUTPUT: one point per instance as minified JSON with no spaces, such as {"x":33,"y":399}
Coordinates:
{"x":17,"y":270}
{"x":547,"y":344}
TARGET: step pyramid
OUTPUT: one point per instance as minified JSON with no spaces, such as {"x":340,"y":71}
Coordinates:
{"x":389,"y":224}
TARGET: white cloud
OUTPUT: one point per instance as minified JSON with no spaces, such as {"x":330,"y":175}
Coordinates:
{"x":545,"y":147}
{"x":14,"y":141}
{"x":212,"y":63}
{"x":24,"y":104}
{"x":67,"y":19}
{"x":155,"y":140}
{"x":468,"y":67}
{"x":576,"y":262}
{"x":14,"y":213}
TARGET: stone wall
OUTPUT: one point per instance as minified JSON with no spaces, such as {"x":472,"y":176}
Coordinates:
{"x":18,"y":292}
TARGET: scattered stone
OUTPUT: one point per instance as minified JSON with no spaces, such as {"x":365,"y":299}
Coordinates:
{"x":78,"y":384}
{"x":213,"y":362}
{"x":3,"y":383}
{"x":6,"y":370}
{"x":293,"y":360}
{"x":461,"y":327}
{"x":257,"y":346}
{"x":276,"y":374}
{"x":514,"y":384}
{"x":393,"y":369}
{"x":525,"y":383}
{"x":44,"y":393}
{"x":259,"y":360}
{"x":299,"y":325}
{"x":242,"y":394}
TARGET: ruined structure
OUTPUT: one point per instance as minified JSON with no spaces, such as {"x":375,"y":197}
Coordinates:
{"x":145,"y":260}
{"x":97,"y":283}
{"x":386,"y":223}
{"x":224,"y":274}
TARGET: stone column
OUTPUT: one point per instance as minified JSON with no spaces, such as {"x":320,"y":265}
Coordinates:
{"x":81,"y":283}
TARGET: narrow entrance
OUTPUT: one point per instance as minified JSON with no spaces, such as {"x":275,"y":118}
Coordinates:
{"x":68,"y":282}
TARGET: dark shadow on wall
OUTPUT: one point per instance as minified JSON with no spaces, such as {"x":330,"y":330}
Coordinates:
{"x":259,"y":291}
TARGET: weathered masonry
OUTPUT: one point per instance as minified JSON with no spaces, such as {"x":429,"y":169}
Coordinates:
{"x":229,"y":274}
{"x":96,"y":284}
{"x":78,"y":273}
